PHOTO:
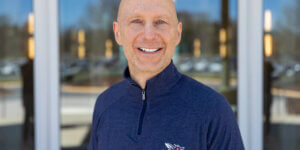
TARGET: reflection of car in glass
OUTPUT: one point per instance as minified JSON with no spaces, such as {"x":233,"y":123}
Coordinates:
{"x":9,"y":68}
{"x":107,"y":63}
{"x":201,"y":65}
{"x":215,"y":67}
{"x":292,"y":69}
{"x":278,"y":70}
{"x":69,"y":69}
{"x":186,"y":66}
{"x":297,"y":67}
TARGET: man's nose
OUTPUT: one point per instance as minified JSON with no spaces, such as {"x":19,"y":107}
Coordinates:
{"x":149,"y":33}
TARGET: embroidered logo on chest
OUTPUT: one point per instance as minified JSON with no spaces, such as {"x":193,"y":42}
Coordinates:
{"x":173,"y":146}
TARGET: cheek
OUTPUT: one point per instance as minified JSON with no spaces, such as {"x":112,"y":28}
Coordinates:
{"x":129,"y":36}
{"x":174,"y":36}
{"x":170,"y":38}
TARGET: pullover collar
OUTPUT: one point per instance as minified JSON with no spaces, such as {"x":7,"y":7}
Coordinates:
{"x":158,"y":85}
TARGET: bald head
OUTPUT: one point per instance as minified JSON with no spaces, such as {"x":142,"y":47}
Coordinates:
{"x":127,"y":7}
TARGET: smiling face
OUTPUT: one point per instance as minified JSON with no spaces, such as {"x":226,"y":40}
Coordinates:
{"x":148,"y":31}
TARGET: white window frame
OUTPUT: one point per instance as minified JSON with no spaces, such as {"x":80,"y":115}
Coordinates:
{"x":46,"y":75}
{"x":250,"y":72}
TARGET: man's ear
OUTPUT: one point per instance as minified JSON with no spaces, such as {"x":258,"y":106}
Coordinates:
{"x":179,"y":32}
{"x":116,"y":29}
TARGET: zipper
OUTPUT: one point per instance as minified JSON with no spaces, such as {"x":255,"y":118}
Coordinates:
{"x":142,"y":114}
{"x":143,"y":95}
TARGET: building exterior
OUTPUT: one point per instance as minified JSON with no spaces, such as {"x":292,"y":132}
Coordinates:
{"x":58,"y":56}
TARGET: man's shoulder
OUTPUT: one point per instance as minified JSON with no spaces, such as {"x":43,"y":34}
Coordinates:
{"x":196,"y":89}
{"x":114,"y":91}
{"x":202,"y":98}
{"x":110,"y":96}
{"x":214,"y":113}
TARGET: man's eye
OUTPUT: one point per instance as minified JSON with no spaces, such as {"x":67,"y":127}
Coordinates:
{"x":136,"y":21}
{"x":160,"y":22}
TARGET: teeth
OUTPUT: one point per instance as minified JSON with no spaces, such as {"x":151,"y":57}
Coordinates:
{"x":149,"y":50}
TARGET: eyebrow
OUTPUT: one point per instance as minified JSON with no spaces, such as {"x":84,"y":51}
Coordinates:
{"x":140,"y":15}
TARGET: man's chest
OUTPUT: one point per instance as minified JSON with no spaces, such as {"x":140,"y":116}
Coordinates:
{"x":155,"y":128}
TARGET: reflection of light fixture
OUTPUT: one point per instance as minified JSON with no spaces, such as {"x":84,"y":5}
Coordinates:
{"x":268,"y":45}
{"x":222,"y":38}
{"x":81,"y":52}
{"x":223,"y":52}
{"x":81,"y":37}
{"x":268,"y":21}
{"x":30,"y":23}
{"x":108,"y":49}
{"x":197,"y":51}
{"x":81,"y":42}
{"x":268,"y":39}
{"x":222,"y":35}
{"x":30,"y":48}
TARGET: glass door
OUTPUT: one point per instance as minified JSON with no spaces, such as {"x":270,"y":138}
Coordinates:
{"x":208,"y":49}
{"x":91,"y":60}
{"x":281,"y":75}
{"x":16,"y":75}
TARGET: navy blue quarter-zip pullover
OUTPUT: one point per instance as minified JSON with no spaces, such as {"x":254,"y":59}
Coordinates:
{"x":173,"y":112}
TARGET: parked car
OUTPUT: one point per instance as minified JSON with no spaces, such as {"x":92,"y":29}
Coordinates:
{"x":186,"y":66}
{"x":215,"y":67}
{"x":9,"y":68}
{"x":201,"y":65}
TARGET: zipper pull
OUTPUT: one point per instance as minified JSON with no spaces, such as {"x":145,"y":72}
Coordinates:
{"x":143,"y":95}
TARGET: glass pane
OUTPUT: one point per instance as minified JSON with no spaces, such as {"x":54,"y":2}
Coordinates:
{"x":282,"y":75}
{"x":208,"y":49}
{"x":16,"y":75}
{"x":91,"y":60}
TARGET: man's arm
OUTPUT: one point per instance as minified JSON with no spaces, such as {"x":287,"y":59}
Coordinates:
{"x":93,"y":145}
{"x":223,"y":132}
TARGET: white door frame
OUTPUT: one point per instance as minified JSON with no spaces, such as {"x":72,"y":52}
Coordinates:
{"x":46,"y":75}
{"x":250,"y":72}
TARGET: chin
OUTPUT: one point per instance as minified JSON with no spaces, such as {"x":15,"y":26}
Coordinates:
{"x":150,"y":70}
{"x":151,"y":67}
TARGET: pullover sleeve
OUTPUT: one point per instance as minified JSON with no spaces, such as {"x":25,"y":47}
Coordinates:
{"x":223,"y":132}
{"x":93,"y":145}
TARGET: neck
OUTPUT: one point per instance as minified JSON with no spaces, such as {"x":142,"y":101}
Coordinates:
{"x":141,"y":77}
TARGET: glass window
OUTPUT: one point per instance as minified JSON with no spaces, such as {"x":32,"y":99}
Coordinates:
{"x":281,"y":75}
{"x":208,"y":49}
{"x":16,"y":75}
{"x":91,"y":60}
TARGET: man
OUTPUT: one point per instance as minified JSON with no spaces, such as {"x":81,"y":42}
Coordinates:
{"x":155,"y":107}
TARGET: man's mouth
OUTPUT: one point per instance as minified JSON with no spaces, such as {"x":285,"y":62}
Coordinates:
{"x":149,"y":50}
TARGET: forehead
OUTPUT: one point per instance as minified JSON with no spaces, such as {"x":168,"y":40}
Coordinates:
{"x":129,"y":8}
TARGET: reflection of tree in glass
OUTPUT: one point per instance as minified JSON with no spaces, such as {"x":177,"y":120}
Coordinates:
{"x":100,"y":16}
{"x":10,"y":39}
{"x":287,"y":34}
{"x":101,"y":58}
{"x":103,"y":13}
{"x":97,"y":24}
{"x":198,"y":25}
